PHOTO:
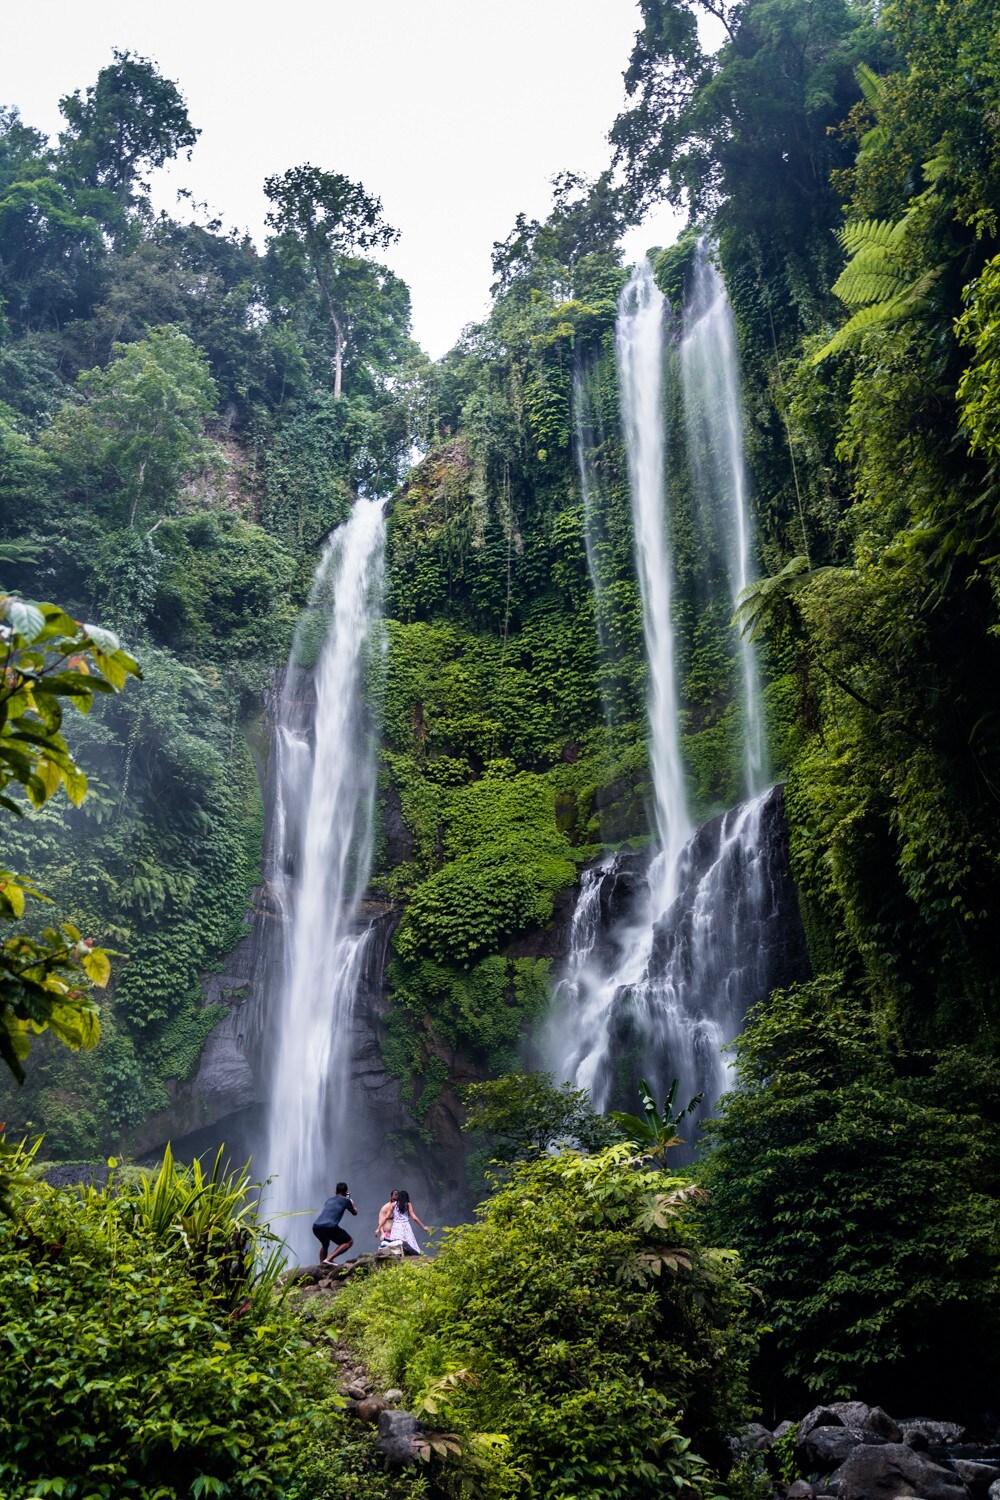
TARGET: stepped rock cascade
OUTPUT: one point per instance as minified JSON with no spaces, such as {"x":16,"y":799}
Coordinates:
{"x":661,"y":997}
{"x":319,"y":861}
{"x":640,"y":347}
{"x":714,"y":420}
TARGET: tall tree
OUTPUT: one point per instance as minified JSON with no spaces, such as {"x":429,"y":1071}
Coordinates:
{"x":322,"y":219}
{"x":131,"y":121}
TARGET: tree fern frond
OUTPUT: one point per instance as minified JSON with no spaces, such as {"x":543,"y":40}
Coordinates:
{"x":877,"y":314}
{"x":876,"y":139}
{"x":857,"y":285}
{"x":872,"y":86}
{"x":867,"y":234}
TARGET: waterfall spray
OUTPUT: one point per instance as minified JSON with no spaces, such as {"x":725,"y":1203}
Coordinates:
{"x":320,"y":861}
{"x":714,"y":419}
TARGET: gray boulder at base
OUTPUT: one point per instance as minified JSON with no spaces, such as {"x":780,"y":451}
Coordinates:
{"x":825,"y":1448}
{"x":934,"y":1434}
{"x":994,"y":1490}
{"x":978,"y":1476}
{"x":890,"y":1470}
{"x":755,"y":1437}
{"x":396,"y":1433}
{"x":820,"y":1416}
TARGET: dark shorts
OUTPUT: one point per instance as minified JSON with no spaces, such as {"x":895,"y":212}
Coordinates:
{"x":325,"y":1234}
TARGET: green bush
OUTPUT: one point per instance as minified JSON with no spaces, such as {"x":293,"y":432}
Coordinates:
{"x":138,"y":1358}
{"x":580,"y":1326}
{"x":862,"y":1190}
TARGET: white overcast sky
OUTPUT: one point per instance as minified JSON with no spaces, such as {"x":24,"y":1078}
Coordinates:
{"x":457,"y":113}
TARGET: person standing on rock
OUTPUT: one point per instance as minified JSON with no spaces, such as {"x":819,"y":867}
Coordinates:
{"x":385,"y":1218}
{"x":400,"y":1230}
{"x":327,"y":1226}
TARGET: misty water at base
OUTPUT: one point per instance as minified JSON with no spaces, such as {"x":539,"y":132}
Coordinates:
{"x":318,"y":865}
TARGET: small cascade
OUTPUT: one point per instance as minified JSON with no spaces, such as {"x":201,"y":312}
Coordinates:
{"x":317,"y":869}
{"x":640,"y":341}
{"x":714,"y":421}
{"x":660,"y":998}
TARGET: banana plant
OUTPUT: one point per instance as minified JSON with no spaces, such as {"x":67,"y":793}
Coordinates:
{"x":656,"y":1130}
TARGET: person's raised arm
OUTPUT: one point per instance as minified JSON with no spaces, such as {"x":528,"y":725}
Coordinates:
{"x":351,"y":1208}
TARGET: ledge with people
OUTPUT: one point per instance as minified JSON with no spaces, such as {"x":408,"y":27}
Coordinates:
{"x":393,"y":1231}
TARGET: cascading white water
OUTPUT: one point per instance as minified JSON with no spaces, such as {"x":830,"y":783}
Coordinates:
{"x":665,"y":958}
{"x":714,"y":420}
{"x":662,"y":1000}
{"x":320,"y":859}
{"x":639,"y":342}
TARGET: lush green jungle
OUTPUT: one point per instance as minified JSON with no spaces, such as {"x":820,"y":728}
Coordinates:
{"x":184,"y":416}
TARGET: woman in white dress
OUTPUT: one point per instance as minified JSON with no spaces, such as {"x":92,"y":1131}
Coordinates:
{"x":398,"y":1230}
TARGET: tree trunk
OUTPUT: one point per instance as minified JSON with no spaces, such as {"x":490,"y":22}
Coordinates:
{"x":339,"y":341}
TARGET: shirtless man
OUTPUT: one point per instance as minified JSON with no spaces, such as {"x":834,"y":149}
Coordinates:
{"x":385,"y":1217}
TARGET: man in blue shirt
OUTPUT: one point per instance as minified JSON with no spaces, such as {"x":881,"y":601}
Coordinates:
{"x":327,"y":1226}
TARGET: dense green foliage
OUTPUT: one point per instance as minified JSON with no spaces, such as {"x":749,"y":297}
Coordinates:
{"x":861,"y":1187}
{"x":176,"y":1370}
{"x":45,"y":978}
{"x":182,"y":419}
{"x":526,"y":1332}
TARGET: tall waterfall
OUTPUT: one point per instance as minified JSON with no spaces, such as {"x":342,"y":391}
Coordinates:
{"x":714,"y":420}
{"x":319,"y":864}
{"x":639,"y":341}
{"x":666,"y":956}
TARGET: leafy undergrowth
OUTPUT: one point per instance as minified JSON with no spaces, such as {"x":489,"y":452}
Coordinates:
{"x":144,"y":1353}
{"x":578,"y":1338}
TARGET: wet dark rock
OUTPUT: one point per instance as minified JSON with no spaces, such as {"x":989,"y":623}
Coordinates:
{"x":820,"y":1416}
{"x":933,"y":1434}
{"x":978,"y":1477}
{"x":397,"y":1434}
{"x":800,"y":1489}
{"x":755,"y":1437}
{"x":781,"y":1429}
{"x":825,"y":1448}
{"x":777,"y":941}
{"x":891,"y":1470}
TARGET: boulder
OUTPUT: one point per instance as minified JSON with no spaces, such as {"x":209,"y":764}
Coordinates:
{"x":880,"y":1423}
{"x":994,"y":1490}
{"x":397,"y":1433}
{"x":888,"y":1471}
{"x":755,"y":1437}
{"x":801,"y":1489}
{"x":851,"y":1413}
{"x":820,"y":1416}
{"x":934,"y":1434}
{"x":370,"y":1409}
{"x":977,"y":1476}
{"x":393,"y":1396}
{"x":824,"y":1448}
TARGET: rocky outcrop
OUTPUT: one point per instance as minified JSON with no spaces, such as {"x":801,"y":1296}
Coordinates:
{"x":853,"y":1451}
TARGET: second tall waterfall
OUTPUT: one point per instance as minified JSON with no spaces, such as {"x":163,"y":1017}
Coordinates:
{"x":319,"y":864}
